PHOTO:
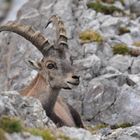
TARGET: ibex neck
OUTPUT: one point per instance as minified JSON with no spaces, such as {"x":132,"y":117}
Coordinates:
{"x":40,"y":89}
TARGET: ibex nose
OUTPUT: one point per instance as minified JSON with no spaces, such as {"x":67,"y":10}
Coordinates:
{"x":76,"y":77}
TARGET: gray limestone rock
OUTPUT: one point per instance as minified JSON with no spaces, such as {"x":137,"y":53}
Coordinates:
{"x":79,"y":134}
{"x":121,"y":63}
{"x":27,"y":108}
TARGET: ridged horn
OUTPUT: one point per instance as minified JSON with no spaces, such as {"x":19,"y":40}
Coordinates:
{"x":60,"y":30}
{"x":35,"y":37}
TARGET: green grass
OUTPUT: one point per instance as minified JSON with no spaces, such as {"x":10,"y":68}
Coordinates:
{"x":44,"y":133}
{"x":13,"y":124}
{"x":99,"y":7}
{"x":10,"y":124}
{"x":122,"y":125}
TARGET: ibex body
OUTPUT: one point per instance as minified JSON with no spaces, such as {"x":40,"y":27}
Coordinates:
{"x":55,"y":72}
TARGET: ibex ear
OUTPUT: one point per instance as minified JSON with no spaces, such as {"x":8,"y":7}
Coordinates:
{"x":34,"y":64}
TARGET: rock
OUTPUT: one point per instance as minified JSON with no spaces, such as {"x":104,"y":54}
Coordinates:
{"x":127,"y":105}
{"x":88,"y":18}
{"x":111,"y":21}
{"x":79,"y":134}
{"x":133,"y":79}
{"x":5,"y":7}
{"x":128,"y":3}
{"x":101,"y":94}
{"x":110,"y":70}
{"x":134,"y":8}
{"x":135,"y":68}
{"x":109,"y":88}
{"x":19,"y":136}
{"x":92,"y":63}
{"x":90,"y":48}
{"x":107,"y":27}
{"x":127,"y":39}
{"x":120,"y":62}
{"x":107,"y":103}
{"x":119,"y":5}
{"x":27,"y":108}
{"x":131,"y":133}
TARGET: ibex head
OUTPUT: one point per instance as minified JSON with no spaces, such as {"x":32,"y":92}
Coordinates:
{"x":55,"y":67}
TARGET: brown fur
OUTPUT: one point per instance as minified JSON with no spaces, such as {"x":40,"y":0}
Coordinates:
{"x":63,"y":113}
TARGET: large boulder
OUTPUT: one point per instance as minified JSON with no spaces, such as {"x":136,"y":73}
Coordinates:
{"x":112,"y":101}
{"x":27,"y":108}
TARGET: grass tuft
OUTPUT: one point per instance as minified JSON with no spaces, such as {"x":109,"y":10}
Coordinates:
{"x":123,"y":125}
{"x":102,"y":8}
{"x":120,"y":49}
{"x":10,"y":124}
{"x":90,"y":36}
{"x":44,"y":133}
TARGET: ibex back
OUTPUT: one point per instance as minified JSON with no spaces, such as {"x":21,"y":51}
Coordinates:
{"x":55,"y":72}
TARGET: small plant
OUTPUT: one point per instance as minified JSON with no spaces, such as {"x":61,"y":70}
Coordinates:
{"x":120,"y":49}
{"x":10,"y":124}
{"x":44,"y":133}
{"x":106,"y":9}
{"x":90,"y":36}
{"x":122,"y":125}
{"x":13,"y":124}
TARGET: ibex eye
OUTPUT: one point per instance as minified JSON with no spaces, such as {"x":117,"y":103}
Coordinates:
{"x":50,"y":66}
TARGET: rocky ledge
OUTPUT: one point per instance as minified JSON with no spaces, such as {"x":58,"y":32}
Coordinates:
{"x":104,"y":41}
{"x":23,"y":118}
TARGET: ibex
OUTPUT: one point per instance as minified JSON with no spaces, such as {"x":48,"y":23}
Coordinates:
{"x":55,"y":72}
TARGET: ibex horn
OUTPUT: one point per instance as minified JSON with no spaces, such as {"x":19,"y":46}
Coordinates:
{"x":35,"y":37}
{"x":60,"y":30}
